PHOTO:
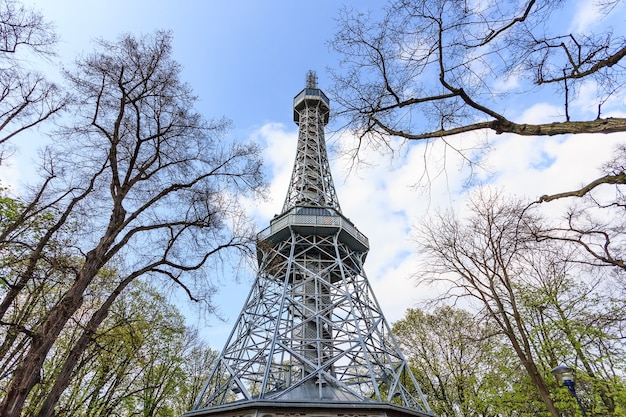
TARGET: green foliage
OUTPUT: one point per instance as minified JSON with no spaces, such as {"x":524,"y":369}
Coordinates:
{"x":464,"y":366}
{"x":539,"y":298}
{"x":9,"y":208}
{"x":140,"y":362}
{"x":575,"y":320}
{"x":136,"y":183}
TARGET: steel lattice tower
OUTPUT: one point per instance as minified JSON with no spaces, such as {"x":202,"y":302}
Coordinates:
{"x":311,"y":334}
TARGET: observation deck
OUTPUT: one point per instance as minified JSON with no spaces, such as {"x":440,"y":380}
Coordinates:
{"x":311,"y":97}
{"x":322,"y":221}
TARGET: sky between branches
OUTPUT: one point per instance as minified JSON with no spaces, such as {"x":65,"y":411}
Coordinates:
{"x":246,"y":60}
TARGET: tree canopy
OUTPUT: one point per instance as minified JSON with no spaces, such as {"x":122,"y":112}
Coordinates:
{"x":135,"y":184}
{"x":545,"y":301}
{"x":431,"y":69}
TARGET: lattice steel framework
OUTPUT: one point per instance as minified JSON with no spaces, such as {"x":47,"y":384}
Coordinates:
{"x":311,"y":182}
{"x":311,"y":329}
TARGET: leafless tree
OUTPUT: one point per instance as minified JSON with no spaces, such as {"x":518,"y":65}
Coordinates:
{"x":26,"y":98}
{"x":429,"y":70}
{"x":596,"y":219}
{"x":143,"y":184}
{"x":480,"y":260}
{"x":492,"y":258}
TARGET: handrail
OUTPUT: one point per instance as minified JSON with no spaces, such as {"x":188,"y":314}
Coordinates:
{"x":312,"y":220}
{"x":311,"y":93}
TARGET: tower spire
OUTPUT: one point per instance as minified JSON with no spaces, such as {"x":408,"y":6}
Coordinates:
{"x":311,"y":79}
{"x":311,"y":334}
{"x":311,"y":182}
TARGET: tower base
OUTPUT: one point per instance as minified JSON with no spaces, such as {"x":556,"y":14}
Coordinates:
{"x":295,"y":409}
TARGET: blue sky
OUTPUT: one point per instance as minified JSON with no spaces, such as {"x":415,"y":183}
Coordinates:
{"x":246,"y":60}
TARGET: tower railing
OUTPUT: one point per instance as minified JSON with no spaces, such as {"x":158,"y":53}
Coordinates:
{"x":333,"y":219}
{"x":311,"y":93}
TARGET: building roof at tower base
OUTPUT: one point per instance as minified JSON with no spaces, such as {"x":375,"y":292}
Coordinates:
{"x":265,"y":408}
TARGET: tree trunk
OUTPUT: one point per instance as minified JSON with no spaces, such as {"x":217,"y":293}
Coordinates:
{"x":63,"y":378}
{"x":522,"y":347}
{"x":535,"y":376}
{"x":27,"y":373}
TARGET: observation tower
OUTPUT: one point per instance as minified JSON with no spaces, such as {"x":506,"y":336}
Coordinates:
{"x":311,"y":339}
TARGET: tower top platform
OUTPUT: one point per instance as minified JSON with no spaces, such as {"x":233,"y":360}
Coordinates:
{"x":313,"y":97}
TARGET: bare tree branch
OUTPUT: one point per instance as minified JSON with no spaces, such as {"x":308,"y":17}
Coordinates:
{"x":447,"y":66}
{"x":607,"y":179}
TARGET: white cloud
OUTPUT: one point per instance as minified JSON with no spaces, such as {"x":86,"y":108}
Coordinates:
{"x":510,"y":82}
{"x":542,"y":113}
{"x":278,"y":155}
{"x":10,"y":175}
{"x":587,"y":15}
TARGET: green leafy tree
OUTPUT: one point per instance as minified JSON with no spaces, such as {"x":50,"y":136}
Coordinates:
{"x":535,"y":293}
{"x":18,"y":234}
{"x":196,"y":367}
{"x":464,"y":364}
{"x":136,"y":181}
{"x":137,"y":364}
{"x":578,"y":321}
